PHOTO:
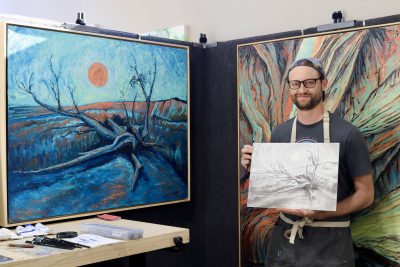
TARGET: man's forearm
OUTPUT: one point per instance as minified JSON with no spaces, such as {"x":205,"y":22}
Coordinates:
{"x":362,"y":197}
{"x":355,"y":202}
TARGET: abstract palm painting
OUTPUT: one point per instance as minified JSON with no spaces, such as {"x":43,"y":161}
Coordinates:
{"x":363,"y":72}
{"x":93,"y":124}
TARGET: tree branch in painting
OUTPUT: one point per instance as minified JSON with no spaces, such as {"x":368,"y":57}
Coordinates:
{"x":146,"y":84}
{"x":119,"y":137}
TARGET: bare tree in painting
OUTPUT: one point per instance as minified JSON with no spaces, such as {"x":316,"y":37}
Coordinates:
{"x":146,"y":84}
{"x":118,"y":136}
{"x":310,"y":174}
{"x":307,"y":180}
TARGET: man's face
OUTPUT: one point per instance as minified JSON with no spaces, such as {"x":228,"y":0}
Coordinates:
{"x":306,"y":98}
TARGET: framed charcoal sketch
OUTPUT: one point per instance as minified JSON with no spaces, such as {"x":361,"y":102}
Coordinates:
{"x":363,"y":73}
{"x":90,"y":124}
{"x":294,"y":176}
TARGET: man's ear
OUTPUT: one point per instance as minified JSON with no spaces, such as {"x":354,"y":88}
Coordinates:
{"x":324,"y":83}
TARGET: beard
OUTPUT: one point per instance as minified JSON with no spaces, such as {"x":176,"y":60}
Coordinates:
{"x":310,"y":104}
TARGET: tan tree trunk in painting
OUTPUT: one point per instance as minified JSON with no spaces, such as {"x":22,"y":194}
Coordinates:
{"x":263,"y":97}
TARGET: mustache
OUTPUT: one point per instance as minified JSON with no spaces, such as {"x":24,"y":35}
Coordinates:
{"x":302,"y":94}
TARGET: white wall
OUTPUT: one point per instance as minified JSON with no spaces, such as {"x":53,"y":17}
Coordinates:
{"x":221,"y":20}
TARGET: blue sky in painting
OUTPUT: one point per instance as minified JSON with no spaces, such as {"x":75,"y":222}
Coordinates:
{"x":29,"y":50}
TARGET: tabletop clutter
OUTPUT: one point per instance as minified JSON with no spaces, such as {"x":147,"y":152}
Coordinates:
{"x":90,"y":235}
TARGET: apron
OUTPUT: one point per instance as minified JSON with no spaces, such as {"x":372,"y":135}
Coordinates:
{"x":308,"y":243}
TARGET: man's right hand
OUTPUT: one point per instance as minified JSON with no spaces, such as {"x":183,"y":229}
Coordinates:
{"x":247,"y":150}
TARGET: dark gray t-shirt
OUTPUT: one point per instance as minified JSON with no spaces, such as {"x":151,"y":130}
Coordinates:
{"x":353,"y":153}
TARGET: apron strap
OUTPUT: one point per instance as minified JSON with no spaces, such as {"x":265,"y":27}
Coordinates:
{"x":325,"y":128}
{"x":293,"y":135}
{"x":297,"y":227}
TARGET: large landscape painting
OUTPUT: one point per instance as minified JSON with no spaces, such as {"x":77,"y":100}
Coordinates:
{"x":363,"y":72}
{"x":93,"y":124}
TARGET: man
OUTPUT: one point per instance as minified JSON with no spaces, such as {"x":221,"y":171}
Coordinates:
{"x":319,"y":238}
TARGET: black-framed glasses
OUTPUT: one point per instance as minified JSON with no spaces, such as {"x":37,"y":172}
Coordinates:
{"x":309,"y":83}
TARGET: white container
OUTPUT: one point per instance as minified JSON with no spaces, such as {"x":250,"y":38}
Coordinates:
{"x":111,"y":231}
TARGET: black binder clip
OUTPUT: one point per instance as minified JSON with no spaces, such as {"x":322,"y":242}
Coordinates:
{"x":178,"y":240}
{"x":67,"y":234}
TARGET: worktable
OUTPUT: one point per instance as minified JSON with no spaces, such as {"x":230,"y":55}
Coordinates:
{"x":155,"y":237}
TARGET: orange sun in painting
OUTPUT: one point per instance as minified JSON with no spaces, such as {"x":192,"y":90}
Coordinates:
{"x":98,"y":74}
